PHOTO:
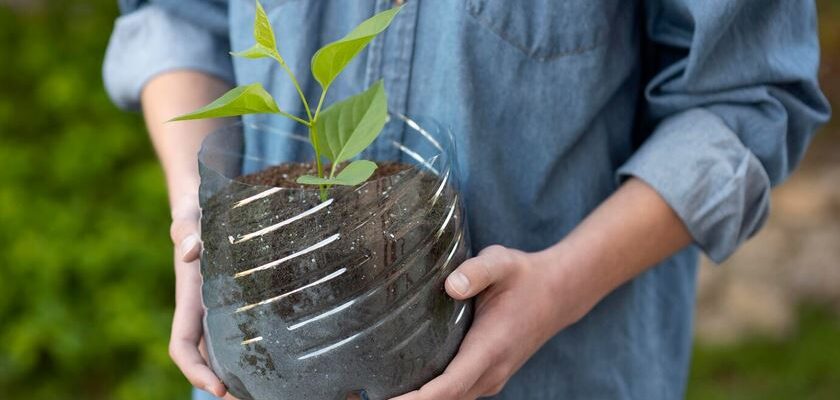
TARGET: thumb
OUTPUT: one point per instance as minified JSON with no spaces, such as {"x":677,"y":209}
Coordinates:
{"x":490,"y":266}
{"x":185,"y":237}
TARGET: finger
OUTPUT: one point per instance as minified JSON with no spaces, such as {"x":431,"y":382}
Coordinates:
{"x":187,"y":330}
{"x":186,"y":356}
{"x":476,"y":274}
{"x":202,"y":349}
{"x":491,"y":383}
{"x":458,"y":380}
{"x":184,"y":232}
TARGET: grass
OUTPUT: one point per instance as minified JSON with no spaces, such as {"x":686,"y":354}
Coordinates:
{"x":805,"y":366}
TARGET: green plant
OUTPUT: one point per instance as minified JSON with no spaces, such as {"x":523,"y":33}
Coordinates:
{"x":342,"y":130}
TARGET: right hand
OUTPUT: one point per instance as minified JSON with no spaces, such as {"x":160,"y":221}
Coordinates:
{"x":186,"y":342}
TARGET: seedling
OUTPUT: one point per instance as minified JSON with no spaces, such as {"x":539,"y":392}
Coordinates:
{"x":341,"y":131}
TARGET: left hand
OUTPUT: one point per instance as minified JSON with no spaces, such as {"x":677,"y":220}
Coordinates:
{"x":523,"y":300}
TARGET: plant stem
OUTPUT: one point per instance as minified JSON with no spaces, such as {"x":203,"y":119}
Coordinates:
{"x":313,"y":133}
{"x":332,"y":169}
{"x":292,"y":117}
{"x":313,"y":137}
{"x":297,"y":86}
{"x":321,"y":101}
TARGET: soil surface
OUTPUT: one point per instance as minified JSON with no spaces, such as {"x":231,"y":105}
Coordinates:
{"x":285,"y":175}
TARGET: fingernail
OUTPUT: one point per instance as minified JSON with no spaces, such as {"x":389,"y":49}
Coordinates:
{"x":459,"y":282}
{"x":187,"y":244}
{"x":209,"y":389}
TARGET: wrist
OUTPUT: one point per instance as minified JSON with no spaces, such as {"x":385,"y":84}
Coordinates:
{"x":571,"y":276}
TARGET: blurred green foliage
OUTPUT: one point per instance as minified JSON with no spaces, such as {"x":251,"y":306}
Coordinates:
{"x":85,"y":275}
{"x":85,"y":260}
{"x":804,"y":366}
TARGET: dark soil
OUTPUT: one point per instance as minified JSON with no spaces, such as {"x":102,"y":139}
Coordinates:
{"x":285,"y":175}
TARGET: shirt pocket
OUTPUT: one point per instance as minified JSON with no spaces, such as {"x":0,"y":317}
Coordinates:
{"x":544,"y":29}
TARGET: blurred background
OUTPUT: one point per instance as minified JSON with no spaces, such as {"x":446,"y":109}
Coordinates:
{"x":86,"y":284}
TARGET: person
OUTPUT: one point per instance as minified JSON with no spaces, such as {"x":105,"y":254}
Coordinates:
{"x":604,"y":144}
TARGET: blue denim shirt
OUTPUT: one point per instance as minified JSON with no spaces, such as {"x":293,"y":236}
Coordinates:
{"x":552,"y":104}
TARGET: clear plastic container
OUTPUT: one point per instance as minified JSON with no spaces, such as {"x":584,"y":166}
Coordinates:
{"x":315,"y":300}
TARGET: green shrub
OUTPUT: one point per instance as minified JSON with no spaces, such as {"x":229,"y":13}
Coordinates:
{"x":85,"y":277}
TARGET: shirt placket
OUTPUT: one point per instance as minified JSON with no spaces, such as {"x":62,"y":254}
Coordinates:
{"x":390,"y":58}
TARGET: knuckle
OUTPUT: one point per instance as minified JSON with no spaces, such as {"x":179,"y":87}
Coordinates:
{"x":497,"y":381}
{"x":180,"y":228}
{"x":186,"y":208}
{"x":494,"y":390}
{"x":176,"y":230}
{"x":481,"y":270}
{"x":475,"y":270}
{"x":499,"y":254}
{"x":494,"y":250}
{"x":173,"y":351}
{"x":489,"y":269}
{"x":502,"y":373}
{"x":460,"y":389}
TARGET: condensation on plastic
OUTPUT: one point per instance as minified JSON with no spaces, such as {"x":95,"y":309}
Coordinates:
{"x":314,"y":300}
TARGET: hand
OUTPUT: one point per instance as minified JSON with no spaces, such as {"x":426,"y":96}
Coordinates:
{"x":523,"y":300}
{"x":185,"y":343}
{"x":165,"y":96}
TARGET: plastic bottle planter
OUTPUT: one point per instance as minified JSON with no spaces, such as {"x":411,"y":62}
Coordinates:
{"x":315,"y":300}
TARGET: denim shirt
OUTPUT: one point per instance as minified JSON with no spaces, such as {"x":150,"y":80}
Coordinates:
{"x":552,"y":103}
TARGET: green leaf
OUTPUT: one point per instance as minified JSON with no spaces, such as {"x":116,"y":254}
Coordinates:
{"x":248,"y":99}
{"x":346,"y":128}
{"x":331,"y":59}
{"x":314,"y":180}
{"x":357,"y":172}
{"x":263,"y":33}
{"x":257,"y":51}
{"x":266,"y":45}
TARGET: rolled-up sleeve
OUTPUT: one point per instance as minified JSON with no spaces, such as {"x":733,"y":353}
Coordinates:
{"x":732,"y":103}
{"x":156,"y":37}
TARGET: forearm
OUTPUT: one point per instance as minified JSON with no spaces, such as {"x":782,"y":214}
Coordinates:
{"x":627,"y":234}
{"x":177,"y":143}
